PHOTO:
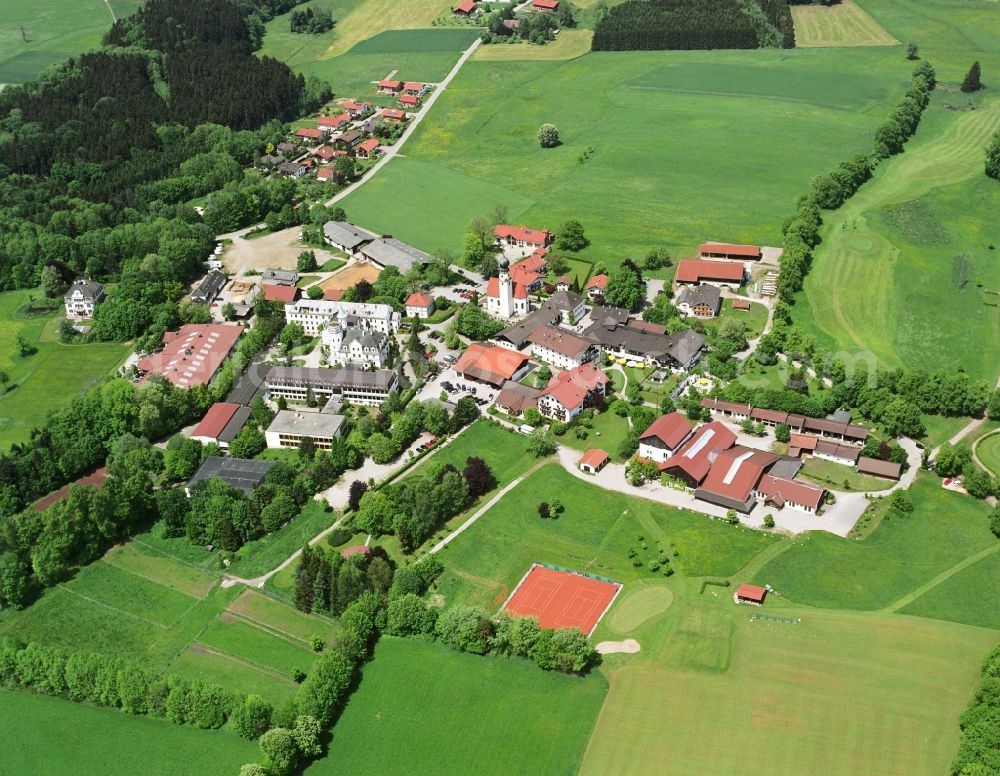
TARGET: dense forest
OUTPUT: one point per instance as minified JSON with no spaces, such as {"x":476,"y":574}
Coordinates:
{"x":651,"y":25}
{"x":98,"y":156}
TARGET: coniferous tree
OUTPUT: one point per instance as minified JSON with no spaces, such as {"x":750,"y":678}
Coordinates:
{"x":972,"y":81}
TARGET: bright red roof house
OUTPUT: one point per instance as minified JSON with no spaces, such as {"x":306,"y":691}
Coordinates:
{"x":308,"y":133}
{"x":332,"y":122}
{"x":700,"y":271}
{"x":523,"y":236}
{"x":465,"y":7}
{"x":593,"y":460}
{"x":751,"y":594}
{"x":490,"y":363}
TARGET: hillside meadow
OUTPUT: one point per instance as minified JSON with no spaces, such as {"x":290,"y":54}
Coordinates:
{"x":657,"y":130}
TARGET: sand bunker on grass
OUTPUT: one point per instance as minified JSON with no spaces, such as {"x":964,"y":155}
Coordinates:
{"x":629,"y":646}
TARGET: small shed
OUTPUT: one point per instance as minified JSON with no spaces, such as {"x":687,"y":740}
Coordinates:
{"x":877,"y":468}
{"x":741,"y":304}
{"x":593,"y":460}
{"x":749,"y":594}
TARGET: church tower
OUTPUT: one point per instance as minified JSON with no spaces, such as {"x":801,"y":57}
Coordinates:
{"x":506,"y":290}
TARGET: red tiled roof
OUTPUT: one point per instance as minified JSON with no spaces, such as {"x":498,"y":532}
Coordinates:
{"x":325,"y":152}
{"x":390,"y":84}
{"x":571,"y":387}
{"x":598,"y":281}
{"x":412,"y":86}
{"x":419,"y":300}
{"x":594,"y":457}
{"x":333,"y":121}
{"x":546,"y":4}
{"x":333,"y":294}
{"x":751,"y":251}
{"x":326,"y":174}
{"x":569,"y":394}
{"x":523,"y":234}
{"x":215,"y":420}
{"x":562,"y":342}
{"x":751,"y":592}
{"x":803,"y":441}
{"x":371,"y":144}
{"x":790,"y":490}
{"x":392,"y":113}
{"x":772,"y":416}
{"x":741,"y":304}
{"x":355,"y":105}
{"x":493,"y":289}
{"x":693,"y":270}
{"x":490,"y":363}
{"x":726,"y":406}
{"x":466,"y":6}
{"x":313,"y":134}
{"x":670,"y":429}
{"x":652,"y":328}
{"x":275,"y":293}
{"x":736,"y":471}
{"x":193,"y":354}
{"x":409,"y":99}
{"x":695,"y":456}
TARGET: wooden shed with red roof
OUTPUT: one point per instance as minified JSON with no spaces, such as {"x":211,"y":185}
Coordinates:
{"x":593,"y":460}
{"x":750,"y":594}
{"x":718,"y":250}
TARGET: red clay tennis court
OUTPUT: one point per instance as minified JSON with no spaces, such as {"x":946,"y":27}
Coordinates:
{"x":561,"y":599}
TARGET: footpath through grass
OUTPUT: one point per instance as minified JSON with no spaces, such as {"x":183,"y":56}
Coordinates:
{"x":51,"y":377}
{"x":52,"y":737}
{"x":432,"y":710}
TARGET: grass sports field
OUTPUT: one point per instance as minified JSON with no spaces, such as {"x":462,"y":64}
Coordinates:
{"x":47,"y":380}
{"x":663,"y":121}
{"x":837,"y":693}
{"x":461,"y":713}
{"x":143,"y":605}
{"x":843,"y":24}
{"x":52,"y":737}
{"x":904,"y":268}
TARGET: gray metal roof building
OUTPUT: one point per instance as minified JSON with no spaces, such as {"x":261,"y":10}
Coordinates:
{"x":387,"y":251}
{"x":240,"y":473}
{"x":345,"y":236}
{"x":210,"y":287}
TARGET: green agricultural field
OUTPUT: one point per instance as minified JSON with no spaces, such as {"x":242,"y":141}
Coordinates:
{"x":258,"y":647}
{"x":55,"y":31}
{"x":594,"y":534}
{"x":970,"y":596}
{"x":837,"y":693}
{"x":52,"y":737}
{"x":904,"y":268}
{"x":275,"y":616}
{"x":51,"y":377}
{"x":662,"y":121}
{"x":901,"y":554}
{"x":988,"y":451}
{"x":432,"y":711}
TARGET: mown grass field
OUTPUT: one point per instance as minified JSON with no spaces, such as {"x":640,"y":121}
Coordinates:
{"x":904,"y":269}
{"x":569,"y":44}
{"x":837,"y":693}
{"x":154,"y":609}
{"x":55,"y":29}
{"x":843,"y":24}
{"x":988,"y":451}
{"x":970,"y":596}
{"x":662,"y":121}
{"x":49,"y":379}
{"x":594,"y":534}
{"x":52,"y":737}
{"x":902,"y":554}
{"x":434,"y":711}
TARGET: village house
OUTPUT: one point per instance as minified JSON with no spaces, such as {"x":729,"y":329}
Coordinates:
{"x":357,"y":110}
{"x":284,"y":294}
{"x":679,"y":351}
{"x":290,"y":427}
{"x":330,"y":123}
{"x":717,"y":250}
{"x":314,"y":314}
{"x":348,"y":140}
{"x":780,"y":492}
{"x":82,"y":298}
{"x":569,"y":393}
{"x":409,"y":101}
{"x":491,"y":364}
{"x":593,"y":460}
{"x":563,"y":307}
{"x":464,"y":8}
{"x":414,"y":88}
{"x":209,"y":288}
{"x":368,"y":148}
{"x":720,"y":273}
{"x":308,"y":133}
{"x":545,"y":6}
{"x":292,"y":169}
{"x":357,"y":386}
{"x":326,"y":152}
{"x":522,"y":237}
{"x":530,"y":272}
{"x":847,"y":455}
{"x":419,"y":305}
{"x":564,"y":283}
{"x":597,"y":286}
{"x":514,"y":398}
{"x":700,"y":301}
{"x":664,"y":437}
{"x":394,"y":116}
{"x":326,"y":174}
{"x":286,"y":148}
{"x":389,"y":87}
{"x":280,"y":277}
{"x":560,"y":348}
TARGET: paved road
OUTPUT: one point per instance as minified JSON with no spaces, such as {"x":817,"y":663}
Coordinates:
{"x":391,"y":151}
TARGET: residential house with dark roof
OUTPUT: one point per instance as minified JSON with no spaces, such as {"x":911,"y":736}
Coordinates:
{"x":82,"y":298}
{"x":514,"y":398}
{"x":680,"y":350}
{"x":560,"y":348}
{"x":703,"y":301}
{"x":280,"y":277}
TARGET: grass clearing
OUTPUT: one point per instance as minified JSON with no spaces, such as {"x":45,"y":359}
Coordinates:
{"x":607,"y":433}
{"x":839,"y":693}
{"x":661,"y":120}
{"x":142,"y":562}
{"x":262,"y":555}
{"x":971,"y":596}
{"x":53,"y":376}
{"x":548,"y":715}
{"x":988,"y":451}
{"x":569,"y":45}
{"x":900,"y":555}
{"x":843,"y":24}
{"x":104,"y":742}
{"x":132,"y":594}
{"x":197,"y":662}
{"x":900,"y":295}
{"x":247,"y":642}
{"x":835,"y":475}
{"x":594,"y":534}
{"x":274,"y":615}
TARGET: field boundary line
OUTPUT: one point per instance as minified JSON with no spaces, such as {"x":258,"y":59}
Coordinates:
{"x":233,"y":658}
{"x":942,"y":577}
{"x":171,"y":556}
{"x":268,"y":629}
{"x":156,"y":581}
{"x":114,"y":608}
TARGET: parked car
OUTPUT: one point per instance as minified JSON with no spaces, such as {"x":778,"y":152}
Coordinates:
{"x":525,"y":428}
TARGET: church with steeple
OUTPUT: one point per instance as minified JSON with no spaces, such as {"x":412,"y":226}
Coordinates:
{"x":506,"y":298}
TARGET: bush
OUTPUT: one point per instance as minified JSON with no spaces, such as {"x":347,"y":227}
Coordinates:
{"x":338,"y":537}
{"x":548,"y":136}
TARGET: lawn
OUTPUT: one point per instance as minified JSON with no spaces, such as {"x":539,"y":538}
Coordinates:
{"x":52,"y":737}
{"x":49,"y":379}
{"x":971,"y":596}
{"x":839,"y":477}
{"x":843,"y":24}
{"x":261,"y":555}
{"x":663,"y":121}
{"x":900,"y":555}
{"x":55,"y":29}
{"x":902,"y":271}
{"x":607,"y":432}
{"x":433,"y":711}
{"x":753,"y":320}
{"x":594,"y":534}
{"x":988,"y":451}
{"x":837,"y":693}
